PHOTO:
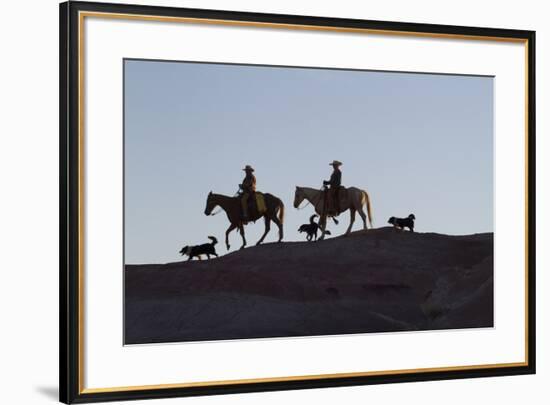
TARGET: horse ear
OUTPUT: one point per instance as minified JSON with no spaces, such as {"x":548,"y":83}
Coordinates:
{"x":210,"y":193}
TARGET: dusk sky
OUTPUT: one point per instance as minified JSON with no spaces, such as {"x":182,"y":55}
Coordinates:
{"x":417,"y":143}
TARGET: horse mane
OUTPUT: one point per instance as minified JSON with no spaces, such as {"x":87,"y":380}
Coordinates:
{"x":216,"y":195}
{"x":307,"y":188}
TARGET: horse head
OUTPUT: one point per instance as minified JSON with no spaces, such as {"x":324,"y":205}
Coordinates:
{"x":298,"y":196}
{"x":210,"y":204}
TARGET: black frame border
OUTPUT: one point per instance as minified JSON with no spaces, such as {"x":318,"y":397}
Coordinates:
{"x":69,"y":367}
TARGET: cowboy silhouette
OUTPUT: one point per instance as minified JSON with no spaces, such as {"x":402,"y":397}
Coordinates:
{"x":248,"y":187}
{"x":333,"y":184}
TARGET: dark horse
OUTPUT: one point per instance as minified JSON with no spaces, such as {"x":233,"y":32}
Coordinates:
{"x":232,"y":207}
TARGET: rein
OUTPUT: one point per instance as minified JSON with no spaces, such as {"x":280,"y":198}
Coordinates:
{"x":309,"y":202}
{"x":220,"y":208}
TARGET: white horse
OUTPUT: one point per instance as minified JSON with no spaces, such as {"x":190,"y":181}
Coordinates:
{"x":351,"y":199}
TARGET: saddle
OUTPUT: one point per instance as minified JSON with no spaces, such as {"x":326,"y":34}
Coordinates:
{"x":256,"y":205}
{"x":260,"y":203}
{"x":333,"y":200}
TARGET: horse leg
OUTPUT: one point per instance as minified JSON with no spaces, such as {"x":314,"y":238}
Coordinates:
{"x":279,"y":225}
{"x":322,"y":226}
{"x":231,"y":227}
{"x":363,"y":217}
{"x":351,"y":220}
{"x":241,"y":231}
{"x":267,"y":228}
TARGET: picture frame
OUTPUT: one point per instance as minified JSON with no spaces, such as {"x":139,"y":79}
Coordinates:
{"x":76,"y":125}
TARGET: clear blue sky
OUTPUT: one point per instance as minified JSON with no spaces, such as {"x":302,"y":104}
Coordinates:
{"x":418,"y":143}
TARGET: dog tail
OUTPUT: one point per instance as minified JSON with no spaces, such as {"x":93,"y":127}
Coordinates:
{"x":213,"y":239}
{"x":311,"y":219}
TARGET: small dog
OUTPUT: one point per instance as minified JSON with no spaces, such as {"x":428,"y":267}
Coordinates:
{"x":402,"y":223}
{"x":311,"y":228}
{"x":204,"y":249}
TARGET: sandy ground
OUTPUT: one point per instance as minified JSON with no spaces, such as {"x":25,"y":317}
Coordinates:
{"x":371,"y":281}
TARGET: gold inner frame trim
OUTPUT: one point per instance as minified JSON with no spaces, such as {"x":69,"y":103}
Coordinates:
{"x":526,"y":199}
{"x":189,"y":20}
{"x":81,"y":41}
{"x":295,"y":378}
{"x":81,"y":173}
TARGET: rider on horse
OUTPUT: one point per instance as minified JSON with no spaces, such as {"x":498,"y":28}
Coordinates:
{"x":334,"y":184}
{"x":248,"y":187}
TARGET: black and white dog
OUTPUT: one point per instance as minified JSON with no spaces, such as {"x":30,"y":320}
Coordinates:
{"x":311,"y":229}
{"x":402,"y":223}
{"x":204,"y":249}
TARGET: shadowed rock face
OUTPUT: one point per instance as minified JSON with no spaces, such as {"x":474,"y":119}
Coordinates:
{"x":370,"y":281}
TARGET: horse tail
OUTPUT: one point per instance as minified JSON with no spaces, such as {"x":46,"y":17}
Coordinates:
{"x":369,"y":212}
{"x":213,"y":239}
{"x":281,"y":211}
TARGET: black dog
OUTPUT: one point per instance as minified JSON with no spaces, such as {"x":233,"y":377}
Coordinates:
{"x":311,"y":228}
{"x":402,"y":223}
{"x":205,"y":249}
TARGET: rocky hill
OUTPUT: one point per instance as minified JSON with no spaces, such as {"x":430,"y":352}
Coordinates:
{"x":378,"y":280}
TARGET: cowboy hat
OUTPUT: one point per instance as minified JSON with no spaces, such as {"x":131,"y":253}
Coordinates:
{"x":335,"y":163}
{"x":248,"y":167}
